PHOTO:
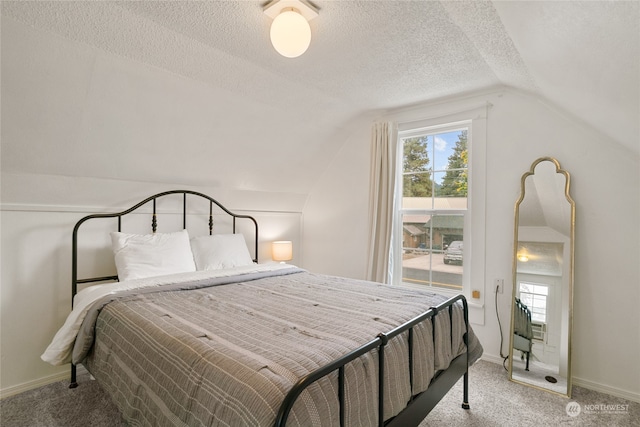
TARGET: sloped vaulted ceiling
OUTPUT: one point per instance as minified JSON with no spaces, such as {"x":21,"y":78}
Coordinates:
{"x":365,"y":56}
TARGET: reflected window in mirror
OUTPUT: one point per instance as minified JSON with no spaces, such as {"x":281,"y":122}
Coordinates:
{"x":534,"y":296}
{"x":433,"y":187}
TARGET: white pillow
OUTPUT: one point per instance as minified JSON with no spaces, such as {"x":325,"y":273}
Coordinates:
{"x":146,"y":255}
{"x":220,"y":251}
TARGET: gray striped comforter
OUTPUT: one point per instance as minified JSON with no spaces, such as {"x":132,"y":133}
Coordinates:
{"x":227,"y":355}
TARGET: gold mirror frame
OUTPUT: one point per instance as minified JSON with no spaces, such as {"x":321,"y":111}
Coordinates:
{"x":570,"y":273}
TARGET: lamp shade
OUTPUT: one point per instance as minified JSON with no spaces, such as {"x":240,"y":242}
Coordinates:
{"x":282,"y":250}
{"x":290,"y":33}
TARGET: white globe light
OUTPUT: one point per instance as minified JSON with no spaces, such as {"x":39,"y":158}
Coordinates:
{"x":290,"y":34}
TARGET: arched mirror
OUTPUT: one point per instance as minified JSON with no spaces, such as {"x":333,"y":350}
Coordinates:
{"x":540,"y":344}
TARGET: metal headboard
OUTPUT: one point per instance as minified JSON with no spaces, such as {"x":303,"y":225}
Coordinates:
{"x":154,"y":224}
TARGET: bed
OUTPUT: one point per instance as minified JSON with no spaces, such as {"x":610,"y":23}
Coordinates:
{"x":230,"y":341}
{"x":522,"y":331}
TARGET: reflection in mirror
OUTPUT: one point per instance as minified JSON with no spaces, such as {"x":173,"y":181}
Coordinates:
{"x":540,"y":350}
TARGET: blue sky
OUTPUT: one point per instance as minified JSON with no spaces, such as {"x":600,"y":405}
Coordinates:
{"x":443,"y":144}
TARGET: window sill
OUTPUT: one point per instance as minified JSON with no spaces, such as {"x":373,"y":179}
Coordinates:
{"x":476,"y":308}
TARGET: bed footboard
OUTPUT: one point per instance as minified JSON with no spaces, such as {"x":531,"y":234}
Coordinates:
{"x":420,"y":405}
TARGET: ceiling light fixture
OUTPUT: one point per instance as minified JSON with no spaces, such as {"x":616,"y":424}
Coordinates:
{"x":290,"y":31}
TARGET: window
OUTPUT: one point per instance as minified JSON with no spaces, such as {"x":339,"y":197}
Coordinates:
{"x":432,"y":199}
{"x":534,"y":296}
{"x":425,"y":223}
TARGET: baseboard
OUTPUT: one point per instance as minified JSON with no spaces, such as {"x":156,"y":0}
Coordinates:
{"x":30,"y":385}
{"x":601,"y":388}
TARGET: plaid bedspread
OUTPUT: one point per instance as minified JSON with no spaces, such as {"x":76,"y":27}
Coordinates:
{"x":227,"y":355}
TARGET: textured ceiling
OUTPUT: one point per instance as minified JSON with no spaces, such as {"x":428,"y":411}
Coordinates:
{"x":366,"y":56}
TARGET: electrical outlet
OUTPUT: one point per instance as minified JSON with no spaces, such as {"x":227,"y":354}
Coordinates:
{"x":498,"y":285}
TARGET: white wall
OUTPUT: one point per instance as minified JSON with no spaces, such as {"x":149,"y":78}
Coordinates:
{"x":73,"y":110}
{"x":336,"y":217}
{"x":605,"y":178}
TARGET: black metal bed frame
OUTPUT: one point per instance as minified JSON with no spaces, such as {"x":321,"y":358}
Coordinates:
{"x":419,"y":405}
{"x":524,"y":310}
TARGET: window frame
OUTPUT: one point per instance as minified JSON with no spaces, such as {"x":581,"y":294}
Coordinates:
{"x":474,"y":119}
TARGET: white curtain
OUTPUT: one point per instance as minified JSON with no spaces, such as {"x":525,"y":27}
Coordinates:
{"x":381,"y":200}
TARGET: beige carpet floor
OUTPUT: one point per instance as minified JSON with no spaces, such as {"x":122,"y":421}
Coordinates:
{"x":494,"y":401}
